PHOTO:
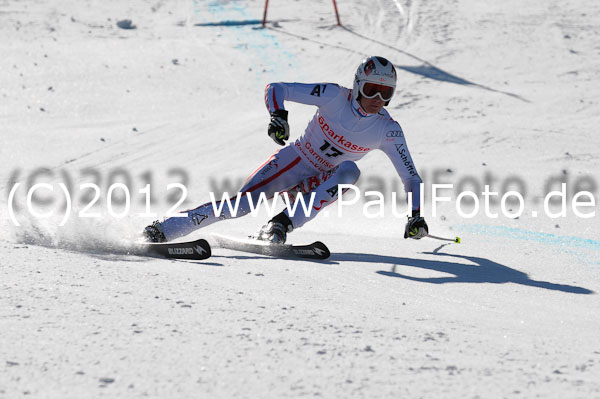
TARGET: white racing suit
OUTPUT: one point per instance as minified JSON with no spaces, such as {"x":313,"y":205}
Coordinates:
{"x":339,"y":134}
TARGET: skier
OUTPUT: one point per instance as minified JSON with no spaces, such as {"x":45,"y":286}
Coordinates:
{"x":347,"y":125}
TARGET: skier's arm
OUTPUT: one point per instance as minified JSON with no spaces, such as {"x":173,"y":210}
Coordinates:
{"x":317,"y":94}
{"x":394,"y":145}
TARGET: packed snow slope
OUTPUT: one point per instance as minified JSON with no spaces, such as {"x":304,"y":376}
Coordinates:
{"x":493,"y":93}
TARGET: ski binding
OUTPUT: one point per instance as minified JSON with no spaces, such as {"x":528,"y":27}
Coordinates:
{"x":316,"y":250}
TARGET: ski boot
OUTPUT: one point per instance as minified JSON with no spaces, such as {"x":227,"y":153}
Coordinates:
{"x":154,"y":232}
{"x":275,"y":231}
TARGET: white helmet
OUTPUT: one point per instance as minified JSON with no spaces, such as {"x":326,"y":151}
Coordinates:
{"x":381,"y":76}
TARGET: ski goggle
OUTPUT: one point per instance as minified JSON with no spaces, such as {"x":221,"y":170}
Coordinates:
{"x":370,"y":90}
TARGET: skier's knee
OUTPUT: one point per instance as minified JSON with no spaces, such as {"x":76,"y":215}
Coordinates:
{"x":348,"y":172}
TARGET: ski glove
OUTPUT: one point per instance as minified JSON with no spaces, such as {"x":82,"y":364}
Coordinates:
{"x":416,"y":227}
{"x":279,"y":130}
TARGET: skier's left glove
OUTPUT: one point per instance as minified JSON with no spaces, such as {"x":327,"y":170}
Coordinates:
{"x":416,"y":227}
{"x":279,"y":130}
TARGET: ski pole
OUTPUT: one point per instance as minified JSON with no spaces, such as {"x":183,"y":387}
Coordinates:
{"x":455,"y":240}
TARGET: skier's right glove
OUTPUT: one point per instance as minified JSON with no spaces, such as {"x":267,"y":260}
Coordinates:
{"x":279,"y":130}
{"x":416,"y":227}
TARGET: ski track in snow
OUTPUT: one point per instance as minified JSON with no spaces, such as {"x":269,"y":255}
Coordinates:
{"x":506,"y":89}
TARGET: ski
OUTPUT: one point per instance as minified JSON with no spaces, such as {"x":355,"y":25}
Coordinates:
{"x":194,"y":250}
{"x":316,"y":250}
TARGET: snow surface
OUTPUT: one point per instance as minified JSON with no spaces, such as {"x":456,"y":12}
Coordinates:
{"x":489,"y":92}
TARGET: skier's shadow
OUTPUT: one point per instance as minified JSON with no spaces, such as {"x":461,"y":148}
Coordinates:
{"x":482,"y":271}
